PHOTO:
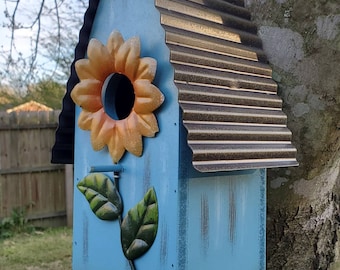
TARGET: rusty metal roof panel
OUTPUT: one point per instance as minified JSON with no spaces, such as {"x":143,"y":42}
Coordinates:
{"x":229,"y":101}
{"x":214,"y":60}
{"x":189,"y":39}
{"x":225,"y":95}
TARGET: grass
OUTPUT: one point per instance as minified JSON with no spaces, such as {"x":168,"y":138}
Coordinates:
{"x":41,"y":250}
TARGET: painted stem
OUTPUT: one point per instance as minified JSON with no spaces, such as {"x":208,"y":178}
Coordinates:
{"x":116,"y":183}
{"x":132,"y":266}
{"x":120,"y":218}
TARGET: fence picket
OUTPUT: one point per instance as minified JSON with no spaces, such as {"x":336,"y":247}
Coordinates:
{"x":27,"y":178}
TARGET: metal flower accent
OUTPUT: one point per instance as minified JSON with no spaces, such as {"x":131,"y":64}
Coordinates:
{"x":117,"y":96}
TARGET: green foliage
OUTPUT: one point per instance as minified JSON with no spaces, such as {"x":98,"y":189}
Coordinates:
{"x":139,"y":227}
{"x":102,"y":195}
{"x":16,"y":223}
{"x":46,"y":91}
{"x":8,"y":98}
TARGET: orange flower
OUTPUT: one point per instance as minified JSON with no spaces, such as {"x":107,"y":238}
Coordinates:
{"x":116,"y":95}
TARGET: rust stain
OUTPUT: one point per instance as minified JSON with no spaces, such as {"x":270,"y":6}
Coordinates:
{"x":205,"y":222}
{"x":147,"y":173}
{"x":163,"y":248}
{"x":232,"y":213}
{"x":85,"y":238}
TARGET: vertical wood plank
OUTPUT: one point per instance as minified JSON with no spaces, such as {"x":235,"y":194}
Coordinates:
{"x":26,"y":140}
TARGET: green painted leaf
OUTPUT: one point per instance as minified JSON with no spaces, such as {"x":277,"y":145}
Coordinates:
{"x":139,"y":227}
{"x":102,"y":195}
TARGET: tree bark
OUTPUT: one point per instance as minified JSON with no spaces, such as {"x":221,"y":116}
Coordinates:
{"x":302,"y":42}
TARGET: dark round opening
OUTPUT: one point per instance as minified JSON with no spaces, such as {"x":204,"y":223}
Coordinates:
{"x":118,"y":96}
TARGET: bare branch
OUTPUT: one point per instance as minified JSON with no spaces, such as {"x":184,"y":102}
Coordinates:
{"x":13,"y":27}
{"x":52,"y":28}
{"x":58,"y":33}
{"x":37,"y":39}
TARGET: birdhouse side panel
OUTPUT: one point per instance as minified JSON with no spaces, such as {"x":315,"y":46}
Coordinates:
{"x":226,"y":221}
{"x":222,"y":217}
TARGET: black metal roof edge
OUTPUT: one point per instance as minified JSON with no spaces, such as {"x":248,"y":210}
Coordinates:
{"x":63,"y":149}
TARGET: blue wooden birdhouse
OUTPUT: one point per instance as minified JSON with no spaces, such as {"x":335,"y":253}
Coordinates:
{"x":176,"y":120}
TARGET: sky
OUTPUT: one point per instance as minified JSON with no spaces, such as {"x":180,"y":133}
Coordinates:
{"x":26,"y":14}
{"x":24,"y":17}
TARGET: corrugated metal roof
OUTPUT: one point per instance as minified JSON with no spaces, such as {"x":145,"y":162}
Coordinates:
{"x":229,"y":100}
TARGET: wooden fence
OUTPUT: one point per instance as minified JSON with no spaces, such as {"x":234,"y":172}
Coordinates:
{"x":28,"y":180}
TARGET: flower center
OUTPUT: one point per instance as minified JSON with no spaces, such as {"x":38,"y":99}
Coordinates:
{"x":118,"y":96}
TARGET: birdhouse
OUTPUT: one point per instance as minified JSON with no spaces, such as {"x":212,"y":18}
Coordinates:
{"x":175,"y":118}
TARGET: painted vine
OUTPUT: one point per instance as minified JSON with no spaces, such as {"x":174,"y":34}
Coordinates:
{"x":138,"y":228}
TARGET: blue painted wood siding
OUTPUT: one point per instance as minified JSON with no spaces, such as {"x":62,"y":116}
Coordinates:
{"x":96,"y":243}
{"x":223,"y":221}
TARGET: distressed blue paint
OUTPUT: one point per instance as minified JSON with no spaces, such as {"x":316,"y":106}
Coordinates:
{"x":222,"y":216}
{"x":213,"y":220}
{"x":224,"y":224}
{"x":96,"y":242}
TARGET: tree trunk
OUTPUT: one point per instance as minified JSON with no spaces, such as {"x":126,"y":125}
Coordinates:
{"x":302,"y":41}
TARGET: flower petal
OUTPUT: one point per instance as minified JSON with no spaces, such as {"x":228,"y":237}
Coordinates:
{"x":124,"y":58}
{"x":96,"y":141}
{"x":107,"y":129}
{"x":146,"y":69}
{"x":130,"y":135}
{"x":101,"y":129}
{"x":147,"y":124}
{"x":100,"y":59}
{"x":85,"y":120}
{"x":87,"y":94}
{"x":85,"y":70}
{"x":116,"y":147}
{"x":114,"y":42}
{"x":127,"y":59}
{"x":148,"y":97}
